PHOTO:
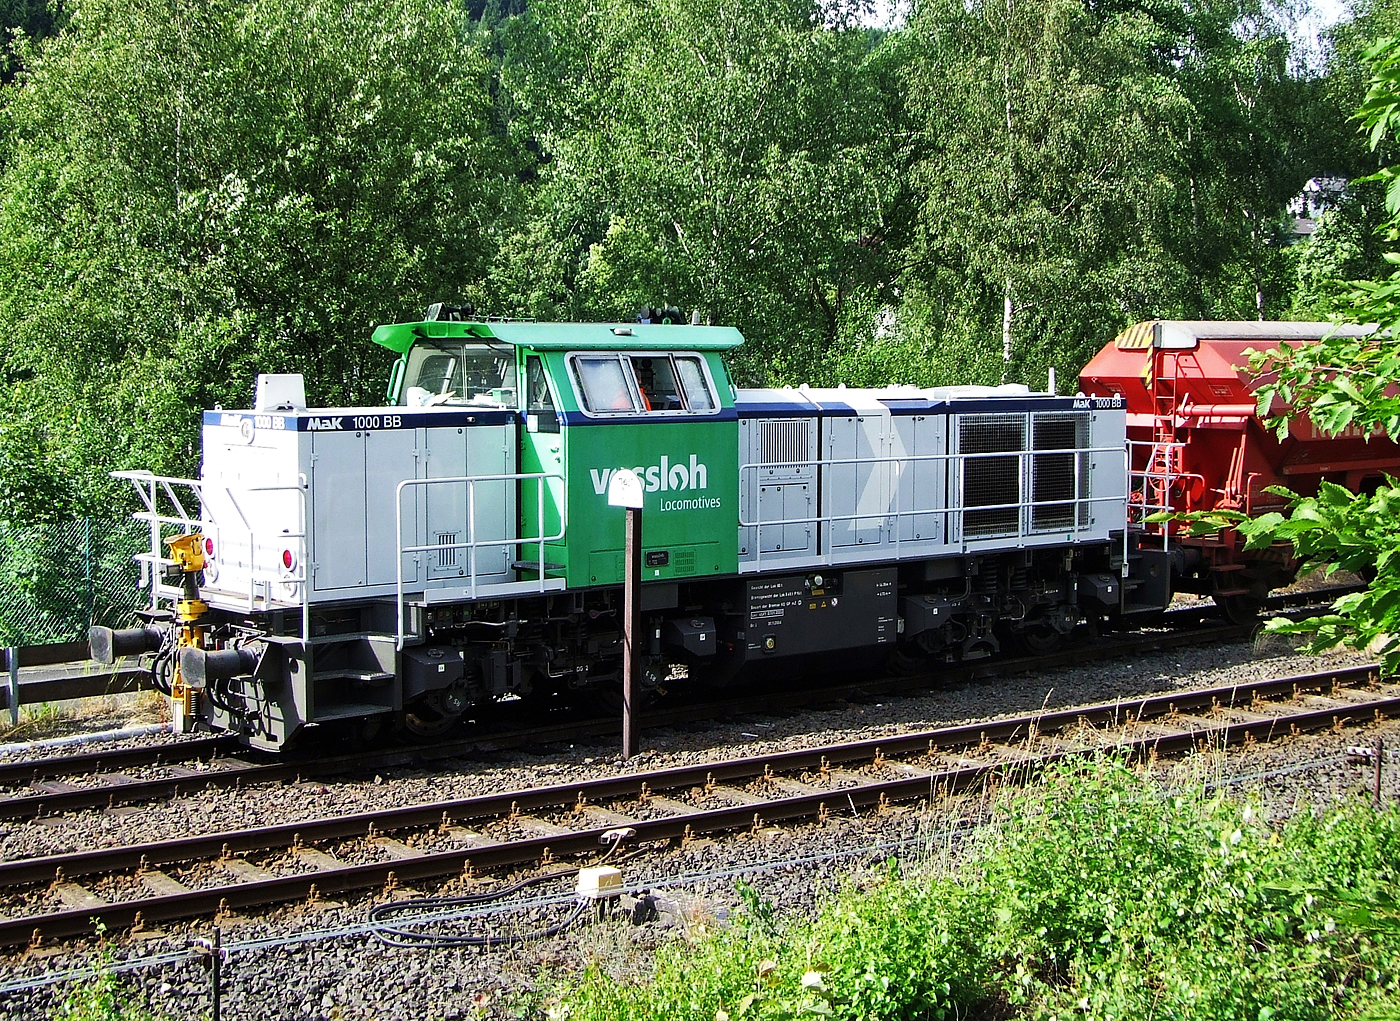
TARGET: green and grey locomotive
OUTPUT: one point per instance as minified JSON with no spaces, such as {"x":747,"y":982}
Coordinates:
{"x":455,"y":547}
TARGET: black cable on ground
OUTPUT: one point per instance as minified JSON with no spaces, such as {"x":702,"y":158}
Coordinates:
{"x":387,"y":923}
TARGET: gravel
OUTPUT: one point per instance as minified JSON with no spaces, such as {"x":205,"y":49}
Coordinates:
{"x":299,"y":961}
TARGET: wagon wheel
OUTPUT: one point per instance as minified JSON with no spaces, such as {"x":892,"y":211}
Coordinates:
{"x":1241,"y":609}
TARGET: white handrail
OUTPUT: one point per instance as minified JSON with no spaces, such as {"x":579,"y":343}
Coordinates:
{"x":541,"y":479}
{"x":154,"y":561}
{"x":1147,"y":481}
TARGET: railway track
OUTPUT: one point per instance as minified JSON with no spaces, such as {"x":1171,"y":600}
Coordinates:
{"x":45,"y":786}
{"x":539,"y":825}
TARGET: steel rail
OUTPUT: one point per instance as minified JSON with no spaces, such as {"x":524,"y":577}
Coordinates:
{"x":234,"y":772}
{"x":629,"y":784}
{"x":516,"y":852}
{"x":13,"y":774}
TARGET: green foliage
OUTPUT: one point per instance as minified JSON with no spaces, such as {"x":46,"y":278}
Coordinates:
{"x":34,"y":19}
{"x":1343,"y":381}
{"x":712,"y":155}
{"x":1346,"y":245}
{"x":1346,"y":384}
{"x":1096,"y":894}
{"x":1100,"y":164}
{"x":1334,"y":530}
{"x":194,"y":192}
{"x":102,"y":999}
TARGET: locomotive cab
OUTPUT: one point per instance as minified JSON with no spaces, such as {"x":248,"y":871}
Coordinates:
{"x":595,"y":398}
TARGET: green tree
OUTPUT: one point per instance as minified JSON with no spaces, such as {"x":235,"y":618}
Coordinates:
{"x":1088,"y":165}
{"x":197,"y":191}
{"x":34,"y":19}
{"x":1345,"y":382}
{"x":718,"y":156}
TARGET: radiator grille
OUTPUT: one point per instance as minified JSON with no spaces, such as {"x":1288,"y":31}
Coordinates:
{"x":1053,"y":475}
{"x":991,"y":482}
{"x":446,"y":557}
{"x":782,"y":442}
{"x":684,"y":561}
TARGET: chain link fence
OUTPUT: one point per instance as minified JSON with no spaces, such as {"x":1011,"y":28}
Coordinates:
{"x":57,"y":580}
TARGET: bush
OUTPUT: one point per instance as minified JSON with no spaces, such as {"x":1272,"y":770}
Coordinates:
{"x":1094,"y":894}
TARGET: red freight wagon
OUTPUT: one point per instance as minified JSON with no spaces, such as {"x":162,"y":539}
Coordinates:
{"x":1196,"y":443}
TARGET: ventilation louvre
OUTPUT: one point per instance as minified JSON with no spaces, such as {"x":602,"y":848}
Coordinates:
{"x":784,"y":442}
{"x":1053,"y":476}
{"x":991,"y":482}
{"x":446,"y":557}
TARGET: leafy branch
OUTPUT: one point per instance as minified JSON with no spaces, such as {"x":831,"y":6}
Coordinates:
{"x":1334,"y":530}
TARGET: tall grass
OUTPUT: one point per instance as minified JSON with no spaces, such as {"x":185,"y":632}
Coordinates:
{"x":1094,"y":894}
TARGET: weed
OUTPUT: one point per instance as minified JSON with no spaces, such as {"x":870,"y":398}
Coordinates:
{"x":102,"y":998}
{"x":36,"y":721}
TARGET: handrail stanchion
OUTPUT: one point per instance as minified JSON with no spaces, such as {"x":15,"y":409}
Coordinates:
{"x":471,"y":533}
{"x":398,"y":560}
{"x":472,"y":542}
{"x":539,"y":517}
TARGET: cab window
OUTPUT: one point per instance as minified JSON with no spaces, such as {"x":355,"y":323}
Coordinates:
{"x":603,"y":384}
{"x":643,"y":384}
{"x":539,"y":402}
{"x":472,"y":373}
{"x":697,"y":389}
{"x":656,"y":383}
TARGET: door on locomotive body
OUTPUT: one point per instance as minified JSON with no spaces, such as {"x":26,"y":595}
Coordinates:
{"x":542,"y":452}
{"x":657,"y":401}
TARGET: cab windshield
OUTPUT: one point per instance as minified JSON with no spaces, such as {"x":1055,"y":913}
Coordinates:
{"x":459,"y":373}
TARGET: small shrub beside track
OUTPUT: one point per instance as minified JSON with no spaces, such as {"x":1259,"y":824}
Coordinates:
{"x":1093,"y":894}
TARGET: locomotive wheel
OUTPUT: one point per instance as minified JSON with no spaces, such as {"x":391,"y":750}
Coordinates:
{"x":609,"y":698}
{"x":1039,"y":640}
{"x":909,"y":661}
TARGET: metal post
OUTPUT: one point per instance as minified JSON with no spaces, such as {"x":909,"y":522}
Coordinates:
{"x":87,"y":570}
{"x":215,"y":960}
{"x":632,"y":636}
{"x":12,"y":661}
{"x":1380,"y":758}
{"x":213,"y":949}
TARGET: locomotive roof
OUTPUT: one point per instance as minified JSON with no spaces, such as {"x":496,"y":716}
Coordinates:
{"x":899,"y":400}
{"x":399,"y":337}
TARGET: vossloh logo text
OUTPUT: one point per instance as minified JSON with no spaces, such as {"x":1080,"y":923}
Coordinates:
{"x":666,"y":477}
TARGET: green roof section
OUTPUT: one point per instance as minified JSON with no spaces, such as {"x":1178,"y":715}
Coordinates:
{"x":399,"y":337}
